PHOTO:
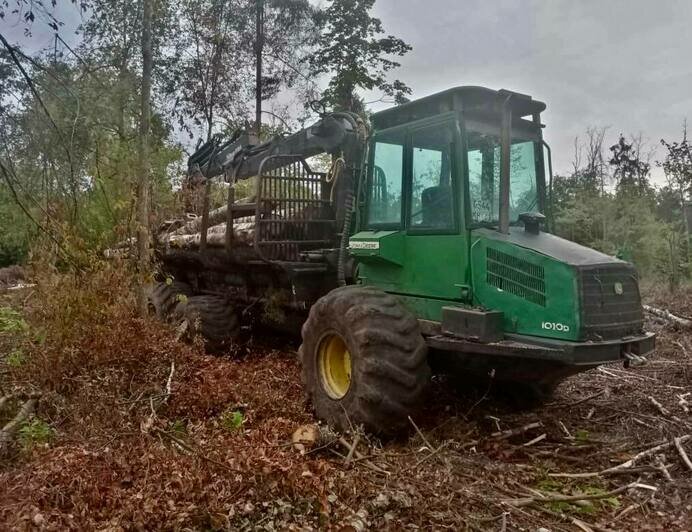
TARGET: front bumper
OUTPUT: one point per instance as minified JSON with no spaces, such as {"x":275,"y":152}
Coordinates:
{"x":576,"y":354}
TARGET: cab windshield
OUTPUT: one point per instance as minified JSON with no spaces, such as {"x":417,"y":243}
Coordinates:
{"x":483,"y":162}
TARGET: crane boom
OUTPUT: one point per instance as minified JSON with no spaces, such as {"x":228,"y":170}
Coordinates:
{"x":241,"y":156}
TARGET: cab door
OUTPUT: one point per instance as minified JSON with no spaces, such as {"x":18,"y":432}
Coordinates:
{"x":435,"y":246}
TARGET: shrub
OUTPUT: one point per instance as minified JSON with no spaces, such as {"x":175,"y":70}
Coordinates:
{"x":232,"y":420}
{"x":34,"y":432}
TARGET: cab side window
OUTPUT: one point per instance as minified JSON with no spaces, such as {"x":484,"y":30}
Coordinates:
{"x":432,"y":197}
{"x":385,"y":194}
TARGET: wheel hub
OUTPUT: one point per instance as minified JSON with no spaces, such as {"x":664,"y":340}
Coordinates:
{"x":335,"y":366}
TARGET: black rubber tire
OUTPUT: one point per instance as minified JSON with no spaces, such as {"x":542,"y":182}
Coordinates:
{"x":163,"y":297}
{"x":211,"y":317}
{"x":389,"y":367}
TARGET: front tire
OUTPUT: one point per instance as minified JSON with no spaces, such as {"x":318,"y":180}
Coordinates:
{"x":364,"y":361}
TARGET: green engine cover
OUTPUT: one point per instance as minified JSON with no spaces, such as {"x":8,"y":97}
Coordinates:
{"x":532,"y":279}
{"x":537,"y":293}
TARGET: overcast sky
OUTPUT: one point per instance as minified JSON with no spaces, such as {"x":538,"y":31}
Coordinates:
{"x":625,"y":64}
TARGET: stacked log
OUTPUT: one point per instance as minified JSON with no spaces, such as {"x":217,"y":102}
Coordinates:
{"x":186,"y":233}
{"x":243,"y":232}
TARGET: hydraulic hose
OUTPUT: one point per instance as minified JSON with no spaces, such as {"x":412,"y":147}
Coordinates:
{"x":341,"y":265}
{"x":361,"y":128}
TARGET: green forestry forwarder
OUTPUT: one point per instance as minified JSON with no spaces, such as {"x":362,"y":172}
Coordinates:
{"x":426,"y":240}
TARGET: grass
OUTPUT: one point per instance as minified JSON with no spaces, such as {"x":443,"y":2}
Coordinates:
{"x":15,"y":358}
{"x":581,"y":435}
{"x":551,"y":486}
{"x":11,"y":321}
{"x":178,"y":428}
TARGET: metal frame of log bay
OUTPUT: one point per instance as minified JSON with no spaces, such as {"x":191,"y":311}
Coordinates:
{"x":301,"y":195}
{"x":292,"y":212}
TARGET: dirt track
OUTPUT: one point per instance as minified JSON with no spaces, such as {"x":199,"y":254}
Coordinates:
{"x":113,"y":465}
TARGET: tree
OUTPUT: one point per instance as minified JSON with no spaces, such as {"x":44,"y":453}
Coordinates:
{"x":677,"y":166}
{"x":580,"y":200}
{"x":68,"y":137}
{"x":349,"y":47}
{"x":143,"y":184}
{"x":232,"y":54}
{"x":111,"y":44}
{"x":630,"y":170}
{"x":29,"y":10}
{"x":284,"y":34}
{"x":589,"y":164}
{"x":112,"y":37}
{"x":206,"y":83}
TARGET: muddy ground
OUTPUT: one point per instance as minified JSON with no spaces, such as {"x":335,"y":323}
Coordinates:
{"x":120,"y":452}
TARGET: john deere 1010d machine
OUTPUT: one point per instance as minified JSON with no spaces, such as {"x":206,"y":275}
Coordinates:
{"x":425,"y":238}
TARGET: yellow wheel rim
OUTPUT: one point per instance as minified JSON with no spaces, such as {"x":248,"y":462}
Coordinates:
{"x":335,"y":366}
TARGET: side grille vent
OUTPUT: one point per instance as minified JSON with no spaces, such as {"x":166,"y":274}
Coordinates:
{"x":516,"y":276}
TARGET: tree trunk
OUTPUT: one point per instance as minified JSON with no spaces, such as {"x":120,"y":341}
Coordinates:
{"x":144,"y":163}
{"x":121,"y":99}
{"x":685,"y":224}
{"x":259,"y":46}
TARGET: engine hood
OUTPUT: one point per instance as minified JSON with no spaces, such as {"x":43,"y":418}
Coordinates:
{"x":549,"y":286}
{"x":551,"y":246}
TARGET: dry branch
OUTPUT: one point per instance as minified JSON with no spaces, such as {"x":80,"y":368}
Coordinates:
{"x":503,"y":435}
{"x":684,"y":403}
{"x":580,"y":523}
{"x":535,"y":440}
{"x":8,"y":431}
{"x":644,"y":454}
{"x":422,"y":436}
{"x":169,"y":382}
{"x":6,"y":399}
{"x":515,"y":432}
{"x":528,"y":501}
{"x":663,"y":410}
{"x":683,"y":454}
{"x":196,"y":452}
{"x":360,"y":459}
{"x":588,"y":398}
{"x":669,"y":316}
{"x":663,"y":468}
{"x":425,"y":458}
{"x":592,"y":474}
{"x":353,"y":448}
{"x":148,"y":424}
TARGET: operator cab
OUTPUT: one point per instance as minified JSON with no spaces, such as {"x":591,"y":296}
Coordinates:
{"x":436,"y":163}
{"x":441,"y":169}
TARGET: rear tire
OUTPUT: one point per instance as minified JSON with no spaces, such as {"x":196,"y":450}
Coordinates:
{"x":163,"y":297}
{"x":209,"y":317}
{"x":364,"y":361}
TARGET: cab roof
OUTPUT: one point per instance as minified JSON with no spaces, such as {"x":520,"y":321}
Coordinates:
{"x":457,"y":99}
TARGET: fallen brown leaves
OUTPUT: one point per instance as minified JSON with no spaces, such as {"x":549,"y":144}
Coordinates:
{"x":101,"y":378}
